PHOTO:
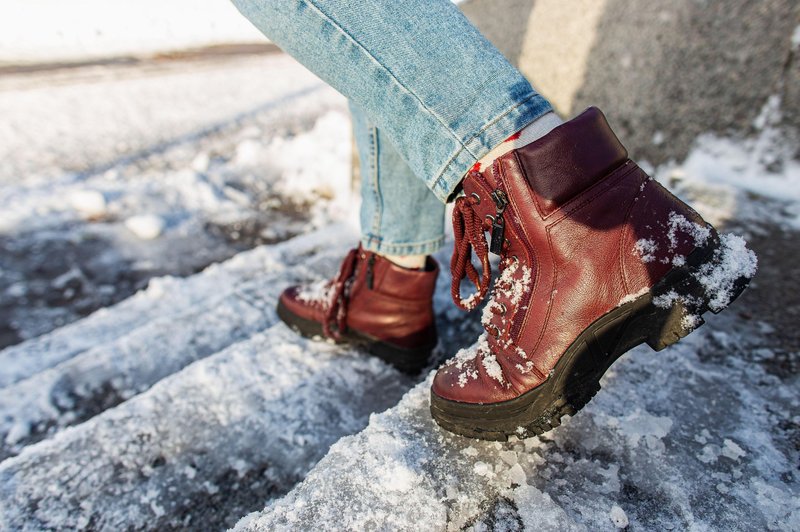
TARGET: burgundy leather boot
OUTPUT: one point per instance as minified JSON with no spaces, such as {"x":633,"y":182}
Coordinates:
{"x":596,"y":258}
{"x":372,"y":303}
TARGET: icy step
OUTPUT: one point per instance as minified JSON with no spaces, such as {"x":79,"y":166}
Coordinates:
{"x":203,"y":446}
{"x":673,"y":441}
{"x":102,"y":377}
{"x":164,"y":297}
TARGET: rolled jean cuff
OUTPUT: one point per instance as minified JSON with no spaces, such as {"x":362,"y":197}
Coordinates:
{"x":379,"y":245}
{"x":498,"y":129}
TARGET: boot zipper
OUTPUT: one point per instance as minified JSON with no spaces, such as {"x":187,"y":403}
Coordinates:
{"x":370,"y":273}
{"x":498,"y":224}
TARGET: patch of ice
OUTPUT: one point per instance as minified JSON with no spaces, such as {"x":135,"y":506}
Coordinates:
{"x":731,"y":450}
{"x":618,"y":517}
{"x":641,"y":425}
{"x":516,"y":475}
{"x":709,"y":454}
{"x":483,"y":469}
{"x":469,"y":451}
{"x":509,"y":457}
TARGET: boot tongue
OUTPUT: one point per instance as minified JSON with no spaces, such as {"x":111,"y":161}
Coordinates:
{"x":569,"y":159}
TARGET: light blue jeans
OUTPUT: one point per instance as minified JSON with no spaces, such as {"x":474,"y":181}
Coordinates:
{"x":431,"y":97}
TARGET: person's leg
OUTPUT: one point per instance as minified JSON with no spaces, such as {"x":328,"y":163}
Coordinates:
{"x":401,"y":218}
{"x":419,"y":69}
{"x":596,"y":257}
{"x":389,"y":280}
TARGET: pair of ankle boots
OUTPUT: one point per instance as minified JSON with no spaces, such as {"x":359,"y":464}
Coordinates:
{"x":595,"y":258}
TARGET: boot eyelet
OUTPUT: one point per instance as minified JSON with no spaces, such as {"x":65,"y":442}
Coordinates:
{"x":499,"y":309}
{"x":477,"y":198}
{"x":490,"y":218}
{"x":493,"y":330}
{"x":514,"y":259}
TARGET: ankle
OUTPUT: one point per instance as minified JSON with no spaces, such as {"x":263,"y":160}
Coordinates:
{"x":533,"y":131}
{"x":410,"y":262}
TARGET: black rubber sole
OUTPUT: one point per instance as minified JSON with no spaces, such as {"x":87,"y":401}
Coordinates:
{"x":576,"y":376}
{"x":410,"y":361}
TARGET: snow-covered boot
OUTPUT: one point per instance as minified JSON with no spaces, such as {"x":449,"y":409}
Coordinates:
{"x":596,"y":258}
{"x":372,"y":303}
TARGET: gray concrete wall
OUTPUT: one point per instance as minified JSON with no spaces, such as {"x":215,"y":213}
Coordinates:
{"x":659,"y":70}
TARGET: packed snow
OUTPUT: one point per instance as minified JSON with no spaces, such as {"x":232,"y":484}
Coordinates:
{"x":105,"y":374}
{"x":637,"y":447}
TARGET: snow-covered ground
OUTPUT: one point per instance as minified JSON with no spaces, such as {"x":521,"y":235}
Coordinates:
{"x":51,"y":30}
{"x":113,"y":176}
{"x":190,"y":406}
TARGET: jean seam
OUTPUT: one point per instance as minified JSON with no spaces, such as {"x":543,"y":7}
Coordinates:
{"x":439,"y":180}
{"x":391,"y":74}
{"x":377,"y":217}
{"x":399,"y":248}
{"x":418,"y":242}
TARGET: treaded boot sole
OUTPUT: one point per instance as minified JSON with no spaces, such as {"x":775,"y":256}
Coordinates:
{"x":410,"y":361}
{"x":669,"y":311}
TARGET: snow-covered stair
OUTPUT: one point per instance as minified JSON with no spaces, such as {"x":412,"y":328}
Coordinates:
{"x":203,"y":446}
{"x":220,"y":437}
{"x":682,"y":439}
{"x":181,"y":321}
{"x":165,"y":296}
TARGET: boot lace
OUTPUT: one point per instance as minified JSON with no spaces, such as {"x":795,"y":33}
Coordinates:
{"x":469,"y":236}
{"x":336,"y":313}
